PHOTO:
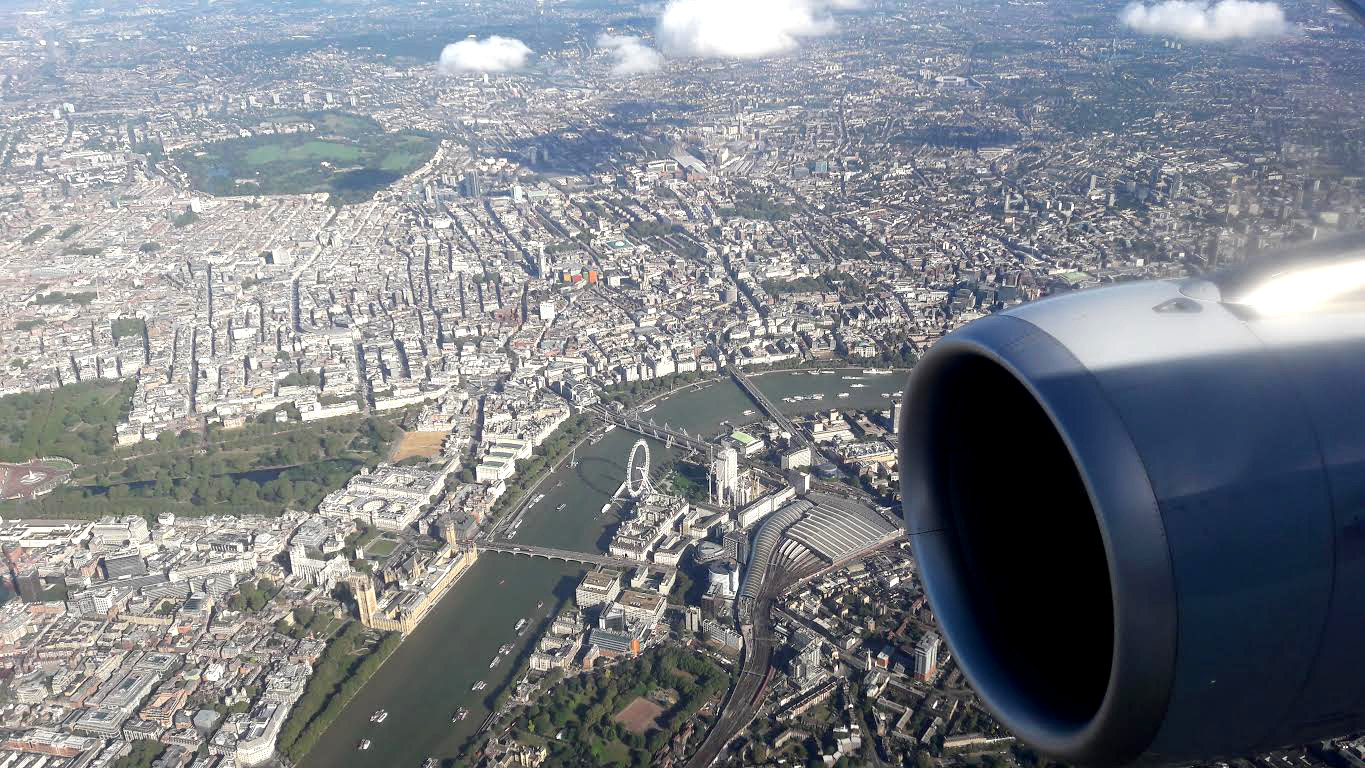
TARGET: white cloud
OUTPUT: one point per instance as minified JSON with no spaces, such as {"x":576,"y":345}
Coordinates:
{"x":630,"y":55}
{"x":1202,"y":21}
{"x":742,"y":29}
{"x":493,"y":54}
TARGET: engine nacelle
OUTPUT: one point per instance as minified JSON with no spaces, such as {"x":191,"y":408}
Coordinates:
{"x":1139,"y":513}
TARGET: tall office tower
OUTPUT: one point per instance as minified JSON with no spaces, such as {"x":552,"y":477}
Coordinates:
{"x":724,"y":476}
{"x":736,"y":545}
{"x":926,"y":657}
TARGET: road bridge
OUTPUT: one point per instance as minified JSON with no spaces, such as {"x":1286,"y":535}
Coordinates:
{"x":566,"y":555}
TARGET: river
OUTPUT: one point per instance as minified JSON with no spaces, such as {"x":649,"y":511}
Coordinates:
{"x":431,"y":673}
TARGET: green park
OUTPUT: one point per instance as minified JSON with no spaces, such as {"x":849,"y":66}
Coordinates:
{"x":347,"y":156}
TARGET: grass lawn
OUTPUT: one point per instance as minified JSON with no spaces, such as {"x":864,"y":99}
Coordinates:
{"x":292,"y":163}
{"x":614,"y":752}
{"x":381,"y":548}
{"x":401,"y":159}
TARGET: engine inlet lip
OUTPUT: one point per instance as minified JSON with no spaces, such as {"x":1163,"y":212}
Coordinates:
{"x":1142,"y":668}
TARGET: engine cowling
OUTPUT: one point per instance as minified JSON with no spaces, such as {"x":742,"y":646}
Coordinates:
{"x":1139,"y":512}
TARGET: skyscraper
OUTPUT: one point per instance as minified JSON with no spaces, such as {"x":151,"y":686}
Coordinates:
{"x":724,"y":476}
{"x":926,"y":657}
{"x":472,"y":188}
{"x":542,"y":262}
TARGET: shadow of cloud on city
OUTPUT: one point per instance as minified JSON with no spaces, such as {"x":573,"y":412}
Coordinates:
{"x":630,"y":126}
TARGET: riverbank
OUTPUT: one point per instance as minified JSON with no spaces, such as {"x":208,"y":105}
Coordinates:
{"x":431,"y":673}
{"x":434,"y":669}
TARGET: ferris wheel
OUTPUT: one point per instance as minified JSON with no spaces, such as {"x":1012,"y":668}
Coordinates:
{"x":637,"y":470}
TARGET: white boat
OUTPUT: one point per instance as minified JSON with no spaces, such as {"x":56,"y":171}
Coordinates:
{"x":364,"y":744}
{"x":748,"y":412}
{"x":538,"y":498}
{"x":818,"y":396}
{"x":609,"y":428}
{"x":479,"y":686}
{"x":648,"y":408}
{"x":494,"y":662}
{"x":842,"y":395}
{"x":460,"y":714}
{"x":505,"y":649}
{"x":857,"y":386}
{"x":561,"y":507}
{"x":605,"y":507}
{"x":379,"y":716}
{"x":521,"y":624}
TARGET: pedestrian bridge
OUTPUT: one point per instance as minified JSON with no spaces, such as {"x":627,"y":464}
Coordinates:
{"x":566,"y":555}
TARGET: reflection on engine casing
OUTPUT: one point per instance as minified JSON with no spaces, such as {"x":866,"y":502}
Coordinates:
{"x":1139,"y":513}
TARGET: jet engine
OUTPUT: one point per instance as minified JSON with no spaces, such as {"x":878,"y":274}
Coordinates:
{"x":1139,"y":510}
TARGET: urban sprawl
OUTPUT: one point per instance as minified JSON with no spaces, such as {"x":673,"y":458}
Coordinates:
{"x":298,"y":313}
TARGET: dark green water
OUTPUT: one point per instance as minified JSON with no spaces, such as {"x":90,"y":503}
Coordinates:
{"x":430,"y":674}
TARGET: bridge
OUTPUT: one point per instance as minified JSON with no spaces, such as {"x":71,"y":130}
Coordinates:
{"x":766,"y":405}
{"x":664,"y":434}
{"x":773,"y":412}
{"x":566,"y":555}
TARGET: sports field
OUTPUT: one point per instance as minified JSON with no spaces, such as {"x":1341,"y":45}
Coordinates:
{"x":424,"y":444}
{"x":640,"y":715}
